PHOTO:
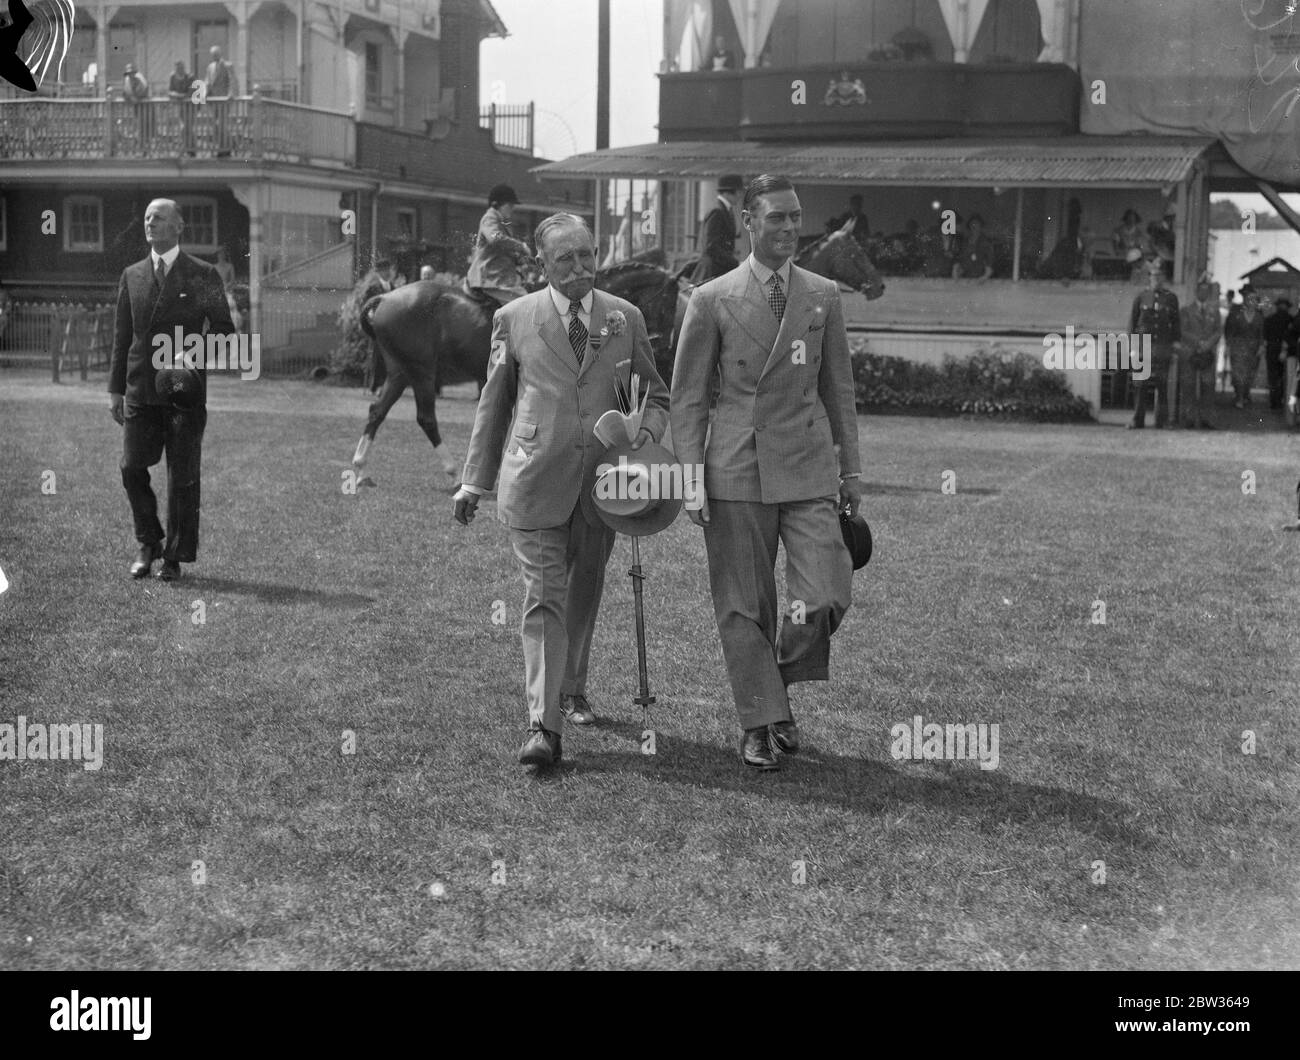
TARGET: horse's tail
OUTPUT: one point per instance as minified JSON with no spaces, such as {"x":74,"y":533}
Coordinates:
{"x":367,"y":311}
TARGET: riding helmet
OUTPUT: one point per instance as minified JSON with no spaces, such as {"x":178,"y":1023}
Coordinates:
{"x":502,"y":193}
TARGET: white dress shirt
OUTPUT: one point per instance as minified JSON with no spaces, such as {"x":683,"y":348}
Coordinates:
{"x":562,"y":300}
{"x":764,"y":275}
{"x":168,"y":259}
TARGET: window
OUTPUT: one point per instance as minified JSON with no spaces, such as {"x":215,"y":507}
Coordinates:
{"x":373,"y":80}
{"x":83,"y":223}
{"x":200,"y":217}
{"x":407,"y":225}
{"x":206,"y":35}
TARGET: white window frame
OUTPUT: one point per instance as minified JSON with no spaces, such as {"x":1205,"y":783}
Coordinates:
{"x":71,"y":201}
{"x":200,"y":200}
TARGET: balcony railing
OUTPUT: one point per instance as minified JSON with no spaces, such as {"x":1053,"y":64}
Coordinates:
{"x":511,"y":125}
{"x":244,"y":128}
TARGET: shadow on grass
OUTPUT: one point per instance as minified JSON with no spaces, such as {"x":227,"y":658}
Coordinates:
{"x":282,"y":594}
{"x":887,"y":489}
{"x":862,"y":785}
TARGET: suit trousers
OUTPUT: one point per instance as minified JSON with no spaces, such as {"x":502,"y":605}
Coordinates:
{"x":149,"y":431}
{"x":564,"y":577}
{"x":741,"y":540}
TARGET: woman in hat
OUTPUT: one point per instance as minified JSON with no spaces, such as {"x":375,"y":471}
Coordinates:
{"x":495,"y":268}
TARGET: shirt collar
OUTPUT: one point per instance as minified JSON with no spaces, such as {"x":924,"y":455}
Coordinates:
{"x":764,"y":275}
{"x":169,"y":259}
{"x":562,"y":301}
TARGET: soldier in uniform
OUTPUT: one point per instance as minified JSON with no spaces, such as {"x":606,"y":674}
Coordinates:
{"x":1155,"y":313}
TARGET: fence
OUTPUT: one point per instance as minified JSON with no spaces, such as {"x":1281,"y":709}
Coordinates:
{"x":511,"y":125}
{"x":59,"y":333}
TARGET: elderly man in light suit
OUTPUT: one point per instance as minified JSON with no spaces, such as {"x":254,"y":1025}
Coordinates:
{"x":555,"y":355}
{"x":780,"y":456}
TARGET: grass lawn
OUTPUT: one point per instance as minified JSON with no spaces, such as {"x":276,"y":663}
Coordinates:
{"x":431,"y":847}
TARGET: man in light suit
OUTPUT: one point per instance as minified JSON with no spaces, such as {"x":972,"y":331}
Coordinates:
{"x":781,"y":455}
{"x":555,"y":356}
{"x":164,"y":291}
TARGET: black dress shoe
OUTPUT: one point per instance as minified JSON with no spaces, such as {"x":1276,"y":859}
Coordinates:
{"x":756,"y":749}
{"x":170,"y":571}
{"x":577,"y":710}
{"x":149,"y":554}
{"x":785,"y":736}
{"x":541,"y":748}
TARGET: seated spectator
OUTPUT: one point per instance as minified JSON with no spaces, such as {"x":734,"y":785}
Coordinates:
{"x":722,"y":57}
{"x":940,"y":252}
{"x":975,"y":259}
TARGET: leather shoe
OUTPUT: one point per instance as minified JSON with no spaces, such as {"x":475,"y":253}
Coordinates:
{"x":785,"y":736}
{"x":756,"y":749}
{"x":149,"y":554}
{"x":577,"y":710}
{"x":170,"y":571}
{"x":541,"y":748}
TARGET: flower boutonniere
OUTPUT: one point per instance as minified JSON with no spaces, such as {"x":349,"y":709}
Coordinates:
{"x":615,"y":324}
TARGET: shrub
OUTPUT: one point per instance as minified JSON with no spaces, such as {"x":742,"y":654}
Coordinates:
{"x":990,"y":382}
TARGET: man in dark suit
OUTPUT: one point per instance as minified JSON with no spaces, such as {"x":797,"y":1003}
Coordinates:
{"x":163,"y":410}
{"x":718,"y":236}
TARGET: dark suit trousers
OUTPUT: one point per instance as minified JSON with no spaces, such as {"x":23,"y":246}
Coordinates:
{"x":151,"y":430}
{"x":741,"y":540}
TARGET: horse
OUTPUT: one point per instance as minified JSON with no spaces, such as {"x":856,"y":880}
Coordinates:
{"x":432,"y":335}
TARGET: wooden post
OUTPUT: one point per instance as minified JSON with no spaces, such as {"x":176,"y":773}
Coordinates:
{"x":1020,"y":217}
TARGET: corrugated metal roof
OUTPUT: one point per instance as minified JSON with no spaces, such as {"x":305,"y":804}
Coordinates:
{"x":1051,"y":162}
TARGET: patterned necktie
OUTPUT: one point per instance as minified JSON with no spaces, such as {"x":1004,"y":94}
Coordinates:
{"x":776,"y":296}
{"x":159,"y":274}
{"x":577,"y":331}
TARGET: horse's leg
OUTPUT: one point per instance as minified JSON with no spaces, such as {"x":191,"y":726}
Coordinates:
{"x":427,"y":418}
{"x":394,"y":384}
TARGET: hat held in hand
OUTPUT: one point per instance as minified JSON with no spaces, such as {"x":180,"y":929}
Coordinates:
{"x":638,"y":491}
{"x":857,"y":538}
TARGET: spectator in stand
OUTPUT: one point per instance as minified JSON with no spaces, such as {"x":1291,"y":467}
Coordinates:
{"x":1201,"y":331}
{"x":861,"y":227}
{"x":180,"y":89}
{"x":722,"y":58}
{"x":1277,"y":328}
{"x":975,"y":259}
{"x":222,"y":86}
{"x":1155,"y":313}
{"x":1243,"y":332}
{"x":135,"y":89}
{"x":1131,"y":242}
{"x":940,"y":253}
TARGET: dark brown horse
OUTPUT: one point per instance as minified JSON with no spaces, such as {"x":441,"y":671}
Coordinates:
{"x":431,"y":335}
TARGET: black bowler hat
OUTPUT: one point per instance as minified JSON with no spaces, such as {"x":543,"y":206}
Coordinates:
{"x":731,"y":182}
{"x":501,"y":194}
{"x":182,"y":387}
{"x":857,"y":538}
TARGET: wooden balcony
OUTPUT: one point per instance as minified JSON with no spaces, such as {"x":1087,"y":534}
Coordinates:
{"x":245,"y":128}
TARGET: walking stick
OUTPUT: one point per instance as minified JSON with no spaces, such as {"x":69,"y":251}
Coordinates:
{"x":645,"y":698}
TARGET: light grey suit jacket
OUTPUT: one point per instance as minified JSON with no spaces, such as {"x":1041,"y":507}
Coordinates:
{"x":786,"y":394}
{"x":541,"y":408}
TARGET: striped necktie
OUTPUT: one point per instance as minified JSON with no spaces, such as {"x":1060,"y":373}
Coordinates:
{"x":577,"y":331}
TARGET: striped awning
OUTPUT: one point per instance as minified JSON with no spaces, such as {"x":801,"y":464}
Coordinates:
{"x":1064,"y":162}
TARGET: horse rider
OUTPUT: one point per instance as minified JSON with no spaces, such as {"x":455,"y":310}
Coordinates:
{"x":495,"y":268}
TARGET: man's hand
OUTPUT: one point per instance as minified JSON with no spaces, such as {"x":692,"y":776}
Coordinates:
{"x":850,"y":495}
{"x":464,"y":506}
{"x":700,"y":516}
{"x":119,"y":417}
{"x":642,"y":436}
